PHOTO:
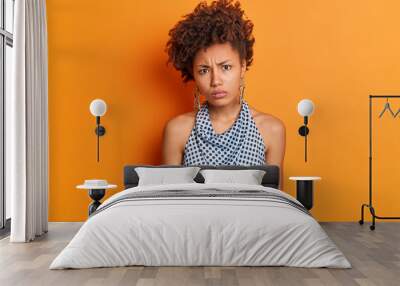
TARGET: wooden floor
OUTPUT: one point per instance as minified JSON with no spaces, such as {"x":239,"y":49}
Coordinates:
{"x":375,"y":256}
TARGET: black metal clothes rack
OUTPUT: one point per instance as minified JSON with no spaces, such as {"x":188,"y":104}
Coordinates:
{"x":370,"y":205}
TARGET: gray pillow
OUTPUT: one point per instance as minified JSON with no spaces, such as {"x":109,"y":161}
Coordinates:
{"x":249,"y":177}
{"x":163,"y":176}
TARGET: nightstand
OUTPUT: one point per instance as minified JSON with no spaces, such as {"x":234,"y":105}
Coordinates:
{"x":97,"y":190}
{"x":304,"y":190}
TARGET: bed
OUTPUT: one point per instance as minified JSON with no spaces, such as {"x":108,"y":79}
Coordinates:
{"x":201,"y":224}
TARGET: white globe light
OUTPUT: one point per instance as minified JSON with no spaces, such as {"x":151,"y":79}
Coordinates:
{"x":98,"y":107}
{"x":305,"y":107}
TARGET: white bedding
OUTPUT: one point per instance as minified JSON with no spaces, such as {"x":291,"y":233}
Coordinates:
{"x":200,"y":231}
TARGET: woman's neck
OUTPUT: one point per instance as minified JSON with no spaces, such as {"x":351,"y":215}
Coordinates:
{"x":228,"y":112}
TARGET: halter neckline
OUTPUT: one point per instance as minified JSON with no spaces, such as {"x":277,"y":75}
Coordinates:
{"x":230,"y":127}
{"x":240,"y":144}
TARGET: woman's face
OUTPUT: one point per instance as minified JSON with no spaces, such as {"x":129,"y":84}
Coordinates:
{"x":217,"y":71}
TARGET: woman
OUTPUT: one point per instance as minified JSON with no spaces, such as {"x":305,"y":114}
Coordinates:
{"x":213,"y":46}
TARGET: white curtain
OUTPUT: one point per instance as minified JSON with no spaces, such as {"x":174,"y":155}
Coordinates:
{"x":27,"y":124}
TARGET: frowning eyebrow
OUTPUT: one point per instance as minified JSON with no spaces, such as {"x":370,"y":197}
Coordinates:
{"x":221,"y":63}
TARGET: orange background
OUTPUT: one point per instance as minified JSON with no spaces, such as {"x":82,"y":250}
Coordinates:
{"x":335,"y":53}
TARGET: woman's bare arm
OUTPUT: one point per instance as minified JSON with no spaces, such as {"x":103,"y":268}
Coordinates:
{"x":273,"y":132}
{"x":276,"y":147}
{"x":176,"y":134}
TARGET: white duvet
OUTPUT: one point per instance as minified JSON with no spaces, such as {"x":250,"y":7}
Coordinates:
{"x":200,"y":231}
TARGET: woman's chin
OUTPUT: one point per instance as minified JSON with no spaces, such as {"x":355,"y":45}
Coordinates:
{"x":219,"y":102}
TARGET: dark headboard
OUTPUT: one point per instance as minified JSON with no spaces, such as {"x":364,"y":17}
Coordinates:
{"x":271,"y":177}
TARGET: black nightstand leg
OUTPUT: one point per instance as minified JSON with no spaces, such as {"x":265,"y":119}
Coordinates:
{"x":96,"y":195}
{"x":304,"y":193}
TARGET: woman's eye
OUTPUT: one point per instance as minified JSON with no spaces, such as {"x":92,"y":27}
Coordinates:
{"x":203,"y":71}
{"x":226,"y":67}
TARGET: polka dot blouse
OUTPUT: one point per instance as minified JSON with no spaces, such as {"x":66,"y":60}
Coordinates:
{"x":241,"y":144}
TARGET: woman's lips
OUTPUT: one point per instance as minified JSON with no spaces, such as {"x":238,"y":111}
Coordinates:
{"x":218,"y":95}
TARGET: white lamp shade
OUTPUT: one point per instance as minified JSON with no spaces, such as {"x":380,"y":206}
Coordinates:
{"x":305,"y":107}
{"x":98,"y":107}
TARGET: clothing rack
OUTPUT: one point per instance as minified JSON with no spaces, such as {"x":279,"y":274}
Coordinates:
{"x":370,"y":205}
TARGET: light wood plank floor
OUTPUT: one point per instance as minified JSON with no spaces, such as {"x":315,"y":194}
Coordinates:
{"x":375,"y":257}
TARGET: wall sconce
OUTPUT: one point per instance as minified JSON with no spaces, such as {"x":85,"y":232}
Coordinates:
{"x":305,"y":108}
{"x":98,"y":108}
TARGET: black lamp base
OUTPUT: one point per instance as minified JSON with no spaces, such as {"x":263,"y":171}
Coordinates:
{"x":303,"y":130}
{"x":100,"y":130}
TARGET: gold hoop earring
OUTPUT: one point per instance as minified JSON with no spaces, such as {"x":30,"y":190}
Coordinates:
{"x":241,"y":89}
{"x":196,"y":99}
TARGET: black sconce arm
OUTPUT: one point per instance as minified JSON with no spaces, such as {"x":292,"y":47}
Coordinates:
{"x":303,"y":131}
{"x":100,"y":131}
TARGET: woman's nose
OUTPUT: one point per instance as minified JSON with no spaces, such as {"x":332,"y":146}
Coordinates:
{"x":215,"y":78}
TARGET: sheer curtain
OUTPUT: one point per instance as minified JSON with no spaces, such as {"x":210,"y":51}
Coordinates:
{"x":27,"y":124}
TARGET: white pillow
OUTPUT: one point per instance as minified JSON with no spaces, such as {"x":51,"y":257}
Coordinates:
{"x":163,"y":176}
{"x":249,"y":177}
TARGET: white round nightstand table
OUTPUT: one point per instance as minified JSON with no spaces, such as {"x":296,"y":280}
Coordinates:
{"x":304,"y":190}
{"x":97,"y":190}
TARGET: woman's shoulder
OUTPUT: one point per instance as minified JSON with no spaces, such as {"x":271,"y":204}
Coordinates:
{"x":182,"y":120}
{"x":266,"y":121}
{"x":180,"y":125}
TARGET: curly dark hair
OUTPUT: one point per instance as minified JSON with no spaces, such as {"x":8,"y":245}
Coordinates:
{"x":220,"y":22}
